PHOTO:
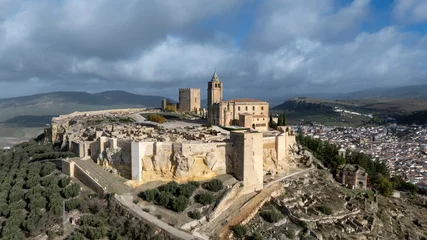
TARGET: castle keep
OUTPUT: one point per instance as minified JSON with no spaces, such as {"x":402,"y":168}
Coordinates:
{"x":189,"y":100}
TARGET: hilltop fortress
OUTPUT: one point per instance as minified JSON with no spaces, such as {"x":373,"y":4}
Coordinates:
{"x":123,"y":141}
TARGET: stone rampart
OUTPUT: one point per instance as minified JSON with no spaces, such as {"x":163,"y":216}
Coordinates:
{"x":87,"y":180}
{"x":68,"y":167}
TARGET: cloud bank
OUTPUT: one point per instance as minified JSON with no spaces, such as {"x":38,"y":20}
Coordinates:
{"x":155,"y":47}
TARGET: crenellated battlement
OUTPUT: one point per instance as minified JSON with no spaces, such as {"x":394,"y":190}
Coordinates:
{"x":189,"y":89}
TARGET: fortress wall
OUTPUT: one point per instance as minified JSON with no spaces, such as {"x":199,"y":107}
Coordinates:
{"x":68,"y":168}
{"x":270,"y":155}
{"x":87,"y":180}
{"x":211,"y":155}
{"x":75,"y":148}
{"x":269,"y":142}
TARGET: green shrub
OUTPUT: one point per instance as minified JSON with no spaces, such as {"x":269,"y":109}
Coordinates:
{"x":205,"y":198}
{"x":214,"y":185}
{"x":72,"y":204}
{"x":324,"y":209}
{"x":150,"y":194}
{"x":47,"y":169}
{"x":239,"y":231}
{"x":92,"y":221}
{"x":186,"y":190}
{"x":16,"y":194}
{"x":257,"y":236}
{"x":179,"y":204}
{"x":271,"y":216}
{"x":194,"y":214}
{"x":156,"y":118}
{"x":164,"y":198}
{"x":63,"y":182}
{"x":70,"y":191}
{"x":194,"y":183}
{"x":76,"y":236}
{"x":171,"y":187}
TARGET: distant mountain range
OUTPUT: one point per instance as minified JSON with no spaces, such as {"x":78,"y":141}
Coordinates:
{"x":103,"y":98}
{"x":37,"y":110}
{"x":403,"y":92}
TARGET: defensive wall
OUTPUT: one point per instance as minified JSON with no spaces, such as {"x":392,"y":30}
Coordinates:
{"x":247,"y":155}
{"x":70,"y":168}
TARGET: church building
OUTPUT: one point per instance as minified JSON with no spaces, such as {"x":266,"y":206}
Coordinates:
{"x":243,"y":112}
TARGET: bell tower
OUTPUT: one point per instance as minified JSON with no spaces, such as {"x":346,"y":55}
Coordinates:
{"x":214,"y":90}
{"x":214,"y":100}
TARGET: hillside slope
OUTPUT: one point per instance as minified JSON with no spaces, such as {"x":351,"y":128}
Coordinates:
{"x":37,"y":110}
{"x":357,"y":112}
{"x":405,"y":92}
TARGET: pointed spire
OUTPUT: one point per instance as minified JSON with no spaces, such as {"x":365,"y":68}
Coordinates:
{"x":215,"y":77}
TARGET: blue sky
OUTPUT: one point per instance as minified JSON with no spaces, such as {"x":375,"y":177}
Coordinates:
{"x":260,"y":48}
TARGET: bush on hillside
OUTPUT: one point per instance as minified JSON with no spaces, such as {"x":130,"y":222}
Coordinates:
{"x":324,"y":209}
{"x":156,"y":118}
{"x":150,"y":194}
{"x":179,"y":204}
{"x":194,"y":214}
{"x":272,"y":216}
{"x":205,"y":198}
{"x":239,"y":231}
{"x":214,"y":185}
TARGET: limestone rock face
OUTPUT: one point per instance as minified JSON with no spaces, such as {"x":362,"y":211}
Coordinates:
{"x":117,"y":156}
{"x":211,"y":159}
{"x":270,"y":159}
{"x":182,"y":164}
{"x":162,"y":163}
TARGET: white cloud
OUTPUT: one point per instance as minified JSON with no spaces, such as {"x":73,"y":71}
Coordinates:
{"x":371,"y":59}
{"x":410,"y":11}
{"x":284,"y":20}
{"x":150,"y":46}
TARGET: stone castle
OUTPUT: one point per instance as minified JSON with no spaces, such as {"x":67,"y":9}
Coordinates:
{"x":241,"y":112}
{"x":144,"y":151}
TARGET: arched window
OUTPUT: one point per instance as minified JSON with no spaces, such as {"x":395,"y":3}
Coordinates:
{"x":238,"y":108}
{"x":253,"y":108}
{"x":262,"y":108}
{"x":246,"y":108}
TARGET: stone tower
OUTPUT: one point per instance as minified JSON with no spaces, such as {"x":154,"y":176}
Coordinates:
{"x":248,"y":159}
{"x":189,"y":100}
{"x":214,"y":100}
